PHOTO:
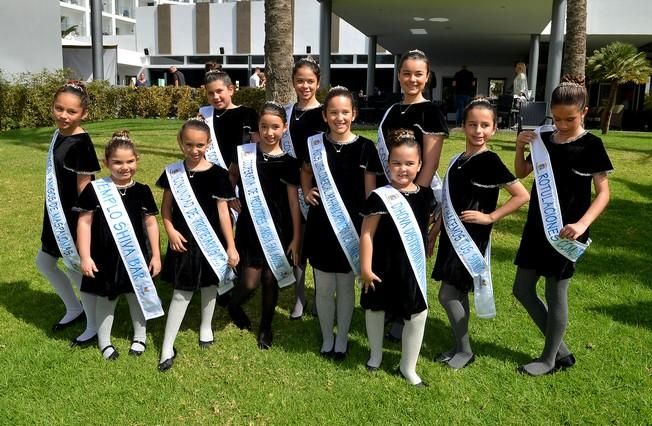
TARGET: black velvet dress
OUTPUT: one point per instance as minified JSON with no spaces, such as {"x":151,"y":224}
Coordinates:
{"x":574,"y":164}
{"x":190,"y":270}
{"x":73,"y":155}
{"x":348,"y":164}
{"x":399,"y":292}
{"x":112,"y":279}
{"x":474,"y":184}
{"x":275,"y":172}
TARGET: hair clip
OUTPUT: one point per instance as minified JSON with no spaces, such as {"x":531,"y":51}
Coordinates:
{"x":198,"y":118}
{"x":121,"y":138}
{"x":416,"y":51}
{"x":273,"y":103}
{"x":74,"y":84}
{"x":405,"y":135}
{"x":308,"y":59}
{"x":338,"y":88}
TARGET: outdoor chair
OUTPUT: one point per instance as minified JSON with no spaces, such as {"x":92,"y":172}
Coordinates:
{"x":504,"y":111}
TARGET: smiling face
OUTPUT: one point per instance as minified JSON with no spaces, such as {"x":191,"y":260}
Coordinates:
{"x":305,"y":83}
{"x":122,"y":164}
{"x":568,"y":119}
{"x":404,"y":165}
{"x":413,"y":77}
{"x":479,"y":127}
{"x":270,"y":128}
{"x":219,"y":94}
{"x":68,"y":113}
{"x":339,"y":114}
{"x":193,"y":144}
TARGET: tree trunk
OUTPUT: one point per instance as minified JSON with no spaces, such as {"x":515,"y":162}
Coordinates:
{"x":605,"y":120}
{"x":278,"y":51}
{"x":575,"y":43}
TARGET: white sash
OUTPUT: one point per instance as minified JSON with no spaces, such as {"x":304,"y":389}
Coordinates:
{"x":383,"y":154}
{"x":479,"y":267}
{"x":57,"y":215}
{"x":408,"y":228}
{"x":549,"y":200}
{"x":125,"y":240}
{"x":337,"y":214}
{"x":213,"y":153}
{"x":261,"y":216}
{"x":286,"y":140}
{"x":288,"y":146}
{"x":199,"y":225}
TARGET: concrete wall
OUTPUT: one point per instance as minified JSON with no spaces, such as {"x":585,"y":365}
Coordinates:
{"x":619,"y":17}
{"x":30,"y":36}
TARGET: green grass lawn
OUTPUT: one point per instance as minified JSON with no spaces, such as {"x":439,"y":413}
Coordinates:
{"x":42,"y":380}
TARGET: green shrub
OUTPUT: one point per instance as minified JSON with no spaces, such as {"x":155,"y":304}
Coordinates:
{"x":189,"y":101}
{"x":26,"y":100}
{"x":251,"y":97}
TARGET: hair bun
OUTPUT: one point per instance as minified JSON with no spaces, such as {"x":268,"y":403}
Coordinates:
{"x":573,"y":79}
{"x":402,"y":135}
{"x":121,"y":134}
{"x":76,"y":85}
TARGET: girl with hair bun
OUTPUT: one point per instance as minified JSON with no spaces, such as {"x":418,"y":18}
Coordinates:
{"x":103,"y":268}
{"x":566,"y":160}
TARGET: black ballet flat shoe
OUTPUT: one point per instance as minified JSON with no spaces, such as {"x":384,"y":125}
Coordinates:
{"x":371,"y":369}
{"x":442,"y":358}
{"x":81,"y":343}
{"x":115,"y":355}
{"x":565,"y":363}
{"x":340,"y":356}
{"x":419,"y":385}
{"x":63,"y":325}
{"x":205,"y":344}
{"x":265,"y":339}
{"x":327,"y":354}
{"x":168,"y":363}
{"x":239,"y":317}
{"x":133,"y":352}
{"x":391,"y":338}
{"x":469,"y":362}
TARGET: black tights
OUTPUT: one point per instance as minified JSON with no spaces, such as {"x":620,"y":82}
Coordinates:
{"x":249,"y":279}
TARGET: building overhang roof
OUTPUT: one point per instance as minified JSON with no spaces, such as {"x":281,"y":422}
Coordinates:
{"x":476,"y":31}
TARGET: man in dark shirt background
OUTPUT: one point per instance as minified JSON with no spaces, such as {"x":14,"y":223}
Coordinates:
{"x":176,"y":77}
{"x":464,"y":87}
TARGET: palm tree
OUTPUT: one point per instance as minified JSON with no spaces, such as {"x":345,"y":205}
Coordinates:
{"x":575,"y":41}
{"x":617,"y":63}
{"x":278,"y":50}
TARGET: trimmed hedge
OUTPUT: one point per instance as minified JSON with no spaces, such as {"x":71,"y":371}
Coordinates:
{"x":26,"y":100}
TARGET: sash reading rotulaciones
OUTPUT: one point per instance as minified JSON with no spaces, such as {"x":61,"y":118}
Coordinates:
{"x":408,"y":228}
{"x":261,"y":216}
{"x":125,"y":240}
{"x":479,"y":266}
{"x":383,"y":154}
{"x":337,"y":214}
{"x":213,"y":153}
{"x":199,"y":225}
{"x":57,"y":215}
{"x":288,"y":146}
{"x":549,"y":200}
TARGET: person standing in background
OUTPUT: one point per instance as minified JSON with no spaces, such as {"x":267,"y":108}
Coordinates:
{"x":176,"y":78}
{"x":254,"y":80}
{"x":464,"y":88}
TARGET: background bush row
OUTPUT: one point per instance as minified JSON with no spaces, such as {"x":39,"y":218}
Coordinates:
{"x":26,"y":100}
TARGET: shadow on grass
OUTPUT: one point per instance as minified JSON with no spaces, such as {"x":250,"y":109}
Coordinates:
{"x":636,"y":313}
{"x":641,"y":189}
{"x":43,"y":309}
{"x":38,"y":308}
